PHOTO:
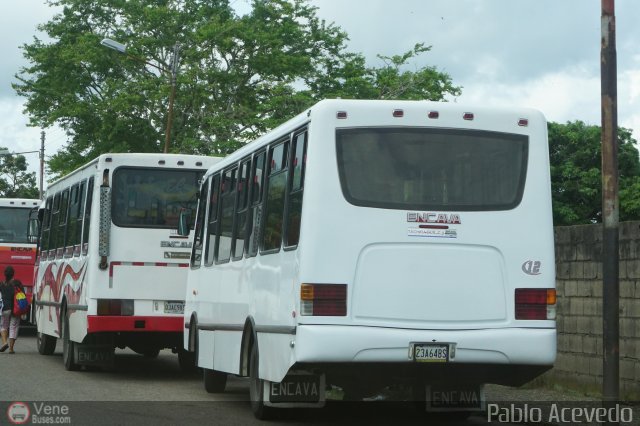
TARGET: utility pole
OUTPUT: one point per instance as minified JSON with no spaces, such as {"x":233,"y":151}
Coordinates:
{"x":172,"y":96}
{"x":41,"y":164}
{"x":610,"y":204}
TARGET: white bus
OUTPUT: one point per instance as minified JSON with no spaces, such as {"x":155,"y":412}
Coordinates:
{"x":368,"y":243}
{"x":111,"y":270}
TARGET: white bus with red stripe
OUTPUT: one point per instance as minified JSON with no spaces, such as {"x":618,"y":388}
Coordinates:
{"x":370,"y":243}
{"x":15,"y":247}
{"x":111,"y":270}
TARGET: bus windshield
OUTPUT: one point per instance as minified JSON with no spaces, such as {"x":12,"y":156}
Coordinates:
{"x":431,"y":168}
{"x":13,"y":224}
{"x":152,"y":198}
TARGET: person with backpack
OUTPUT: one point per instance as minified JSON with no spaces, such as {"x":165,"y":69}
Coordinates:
{"x":9,"y":323}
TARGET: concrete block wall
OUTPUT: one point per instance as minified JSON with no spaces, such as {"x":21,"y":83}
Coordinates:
{"x":579,"y":321}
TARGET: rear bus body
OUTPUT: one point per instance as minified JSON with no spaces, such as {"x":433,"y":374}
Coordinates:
{"x":419,"y":223}
{"x":110,"y":262}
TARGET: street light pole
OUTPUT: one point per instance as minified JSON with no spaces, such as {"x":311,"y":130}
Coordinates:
{"x":173,"y":73}
{"x":172,"y":96}
{"x":4,"y":152}
{"x":41,"y":164}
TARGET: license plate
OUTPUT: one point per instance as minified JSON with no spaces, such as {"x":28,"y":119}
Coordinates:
{"x":430,"y":352}
{"x":297,"y":388}
{"x":456,"y":398}
{"x":174,"y":307}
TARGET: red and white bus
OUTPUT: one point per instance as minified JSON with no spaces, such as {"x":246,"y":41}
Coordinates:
{"x":111,"y":269}
{"x":15,"y":248}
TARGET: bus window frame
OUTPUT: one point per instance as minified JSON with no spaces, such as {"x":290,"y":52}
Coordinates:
{"x":265,"y":192}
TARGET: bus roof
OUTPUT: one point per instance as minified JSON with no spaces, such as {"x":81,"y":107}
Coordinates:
{"x":19,"y":202}
{"x":332,"y":106}
{"x":146,"y":159}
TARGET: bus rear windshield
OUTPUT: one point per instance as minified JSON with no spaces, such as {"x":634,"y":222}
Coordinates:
{"x":13,"y":225}
{"x":152,"y":198}
{"x":431,"y":169}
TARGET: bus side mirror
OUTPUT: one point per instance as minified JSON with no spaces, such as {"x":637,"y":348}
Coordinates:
{"x":33,"y":226}
{"x":33,"y":232}
{"x":183,"y":222}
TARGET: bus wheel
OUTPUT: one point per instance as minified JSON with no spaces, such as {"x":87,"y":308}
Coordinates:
{"x":256,"y":388}
{"x":214,"y":381}
{"x":46,"y":343}
{"x":68,"y":346}
{"x":187,"y":361}
{"x":151,"y":353}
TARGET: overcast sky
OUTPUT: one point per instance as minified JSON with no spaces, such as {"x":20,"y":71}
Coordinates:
{"x":537,"y":53}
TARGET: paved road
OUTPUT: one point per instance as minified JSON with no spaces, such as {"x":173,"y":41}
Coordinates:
{"x":154,"y":391}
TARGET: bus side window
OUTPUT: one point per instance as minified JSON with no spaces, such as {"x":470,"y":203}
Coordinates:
{"x":240,"y":223}
{"x":294,"y":201}
{"x":225,"y":224}
{"x":275,"y":197}
{"x":61,"y":233}
{"x":255,"y":209}
{"x":78,"y":219}
{"x":198,"y":239}
{"x":72,"y":222}
{"x":87,"y":217}
{"x":214,"y":195}
{"x":46,"y":228}
{"x":55,"y":214}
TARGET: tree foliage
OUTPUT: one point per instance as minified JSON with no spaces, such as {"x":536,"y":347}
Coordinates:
{"x":576,"y":164}
{"x":238,"y":76}
{"x":15,"y":182}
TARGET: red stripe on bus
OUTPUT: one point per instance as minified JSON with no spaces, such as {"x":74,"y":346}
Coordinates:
{"x":97,"y":323}
{"x":162,"y":264}
{"x":183,"y":265}
{"x":111,"y":268}
{"x":138,"y":263}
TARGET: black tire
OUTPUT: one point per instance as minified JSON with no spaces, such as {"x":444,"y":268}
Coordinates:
{"x":256,"y":387}
{"x":214,"y":381}
{"x":68,"y":346}
{"x":187,"y":361}
{"x":46,"y":344}
{"x":151,"y":353}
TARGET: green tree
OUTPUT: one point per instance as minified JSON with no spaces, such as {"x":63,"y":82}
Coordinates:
{"x":576,"y":182}
{"x":15,"y":181}
{"x":239,"y":75}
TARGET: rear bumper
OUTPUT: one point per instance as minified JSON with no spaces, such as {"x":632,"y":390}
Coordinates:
{"x":517,"y":346}
{"x":107,"y":323}
{"x":511,"y":356}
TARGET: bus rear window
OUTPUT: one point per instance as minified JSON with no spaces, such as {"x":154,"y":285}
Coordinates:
{"x":153,"y":198}
{"x":13,"y":225}
{"x":431,"y":169}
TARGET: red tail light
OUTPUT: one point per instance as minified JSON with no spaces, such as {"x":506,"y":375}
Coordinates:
{"x":115,"y":307}
{"x":535,"y":303}
{"x":323,"y":300}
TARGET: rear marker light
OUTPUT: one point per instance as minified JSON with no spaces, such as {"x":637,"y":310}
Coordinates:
{"x":468,"y":116}
{"x":341,"y":115}
{"x":323,"y":299}
{"x":115,"y":307}
{"x":523,"y":122}
{"x":398,"y":113}
{"x":434,"y":114}
{"x":535,"y":303}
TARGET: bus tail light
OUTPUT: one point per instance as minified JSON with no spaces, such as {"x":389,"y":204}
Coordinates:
{"x":535,"y":304}
{"x":115,"y":307}
{"x":323,"y":300}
